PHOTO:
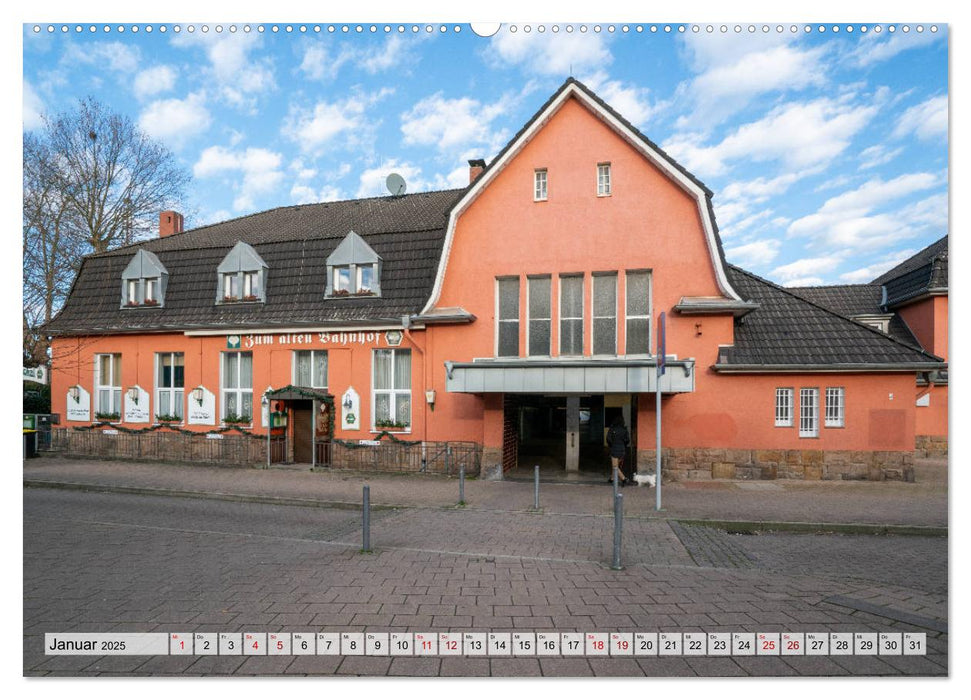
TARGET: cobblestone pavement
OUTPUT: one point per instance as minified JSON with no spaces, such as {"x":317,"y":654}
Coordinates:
{"x":108,"y":562}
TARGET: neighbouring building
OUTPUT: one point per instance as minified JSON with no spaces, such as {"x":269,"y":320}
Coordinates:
{"x":517,"y":315}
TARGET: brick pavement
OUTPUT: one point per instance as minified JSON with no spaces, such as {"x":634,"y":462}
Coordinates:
{"x":102,"y":562}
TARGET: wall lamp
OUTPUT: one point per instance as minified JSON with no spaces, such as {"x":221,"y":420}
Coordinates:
{"x":197,"y":395}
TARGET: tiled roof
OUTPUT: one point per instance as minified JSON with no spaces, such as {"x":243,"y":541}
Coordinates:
{"x":856,"y":300}
{"x":917,"y":275}
{"x":407,"y":232}
{"x":788,"y":330}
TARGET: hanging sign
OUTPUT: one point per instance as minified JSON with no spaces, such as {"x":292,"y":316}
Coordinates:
{"x":35,"y":374}
{"x":350,"y":410}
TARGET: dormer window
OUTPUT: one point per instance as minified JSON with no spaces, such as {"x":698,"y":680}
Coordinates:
{"x":242,"y":276}
{"x":143,"y":281}
{"x":353,"y":269}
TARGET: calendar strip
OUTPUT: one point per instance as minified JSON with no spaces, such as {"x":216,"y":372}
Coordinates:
{"x":493,"y":644}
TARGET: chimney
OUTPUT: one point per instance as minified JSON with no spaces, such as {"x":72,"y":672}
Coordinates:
{"x":476,"y":166}
{"x":169,"y":222}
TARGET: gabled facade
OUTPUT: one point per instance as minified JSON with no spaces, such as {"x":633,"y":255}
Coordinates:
{"x":521,"y":314}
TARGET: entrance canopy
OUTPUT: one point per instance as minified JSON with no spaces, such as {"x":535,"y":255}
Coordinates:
{"x":569,"y":376}
{"x":296,"y":393}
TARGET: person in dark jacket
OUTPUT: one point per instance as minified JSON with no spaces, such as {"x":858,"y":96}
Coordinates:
{"x":618,"y":438}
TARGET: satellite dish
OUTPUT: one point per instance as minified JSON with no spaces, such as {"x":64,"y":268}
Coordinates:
{"x":396,"y":184}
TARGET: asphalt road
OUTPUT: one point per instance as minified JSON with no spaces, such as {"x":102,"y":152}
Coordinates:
{"x":109,"y":562}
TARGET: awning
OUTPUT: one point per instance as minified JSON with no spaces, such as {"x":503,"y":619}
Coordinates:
{"x":569,"y":376}
{"x":297,"y":393}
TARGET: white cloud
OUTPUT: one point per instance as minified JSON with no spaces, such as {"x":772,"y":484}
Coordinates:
{"x":630,"y":101}
{"x":729,"y":85}
{"x":754,"y":254}
{"x":800,"y":272}
{"x":317,"y":127}
{"x":175,"y":121}
{"x":154,"y":80}
{"x":395,"y":53}
{"x":548,"y":54}
{"x":305,"y":194}
{"x":372,"y":180}
{"x":928,"y":120}
{"x":736,"y":200}
{"x":238,"y":77}
{"x":877,"y":155}
{"x":811,"y":281}
{"x":116,"y":56}
{"x":33,"y":108}
{"x":849,"y":220}
{"x":259,"y":168}
{"x":449,"y":123}
{"x":874,"y":48}
{"x":801,"y":135}
{"x":318,"y":63}
{"x":865,"y":274}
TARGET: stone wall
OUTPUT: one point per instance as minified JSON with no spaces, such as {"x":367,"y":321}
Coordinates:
{"x":694,"y":464}
{"x":930,"y":446}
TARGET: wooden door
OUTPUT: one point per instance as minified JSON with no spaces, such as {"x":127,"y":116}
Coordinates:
{"x":302,"y":434}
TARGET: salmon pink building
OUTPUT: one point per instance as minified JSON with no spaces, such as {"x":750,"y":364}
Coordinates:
{"x":515,"y":318}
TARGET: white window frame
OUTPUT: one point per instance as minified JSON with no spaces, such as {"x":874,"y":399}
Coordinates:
{"x":500,"y":320}
{"x":313,"y":383}
{"x":248,"y":279}
{"x":132,"y":291}
{"x":835,"y":407}
{"x":392,"y":392}
{"x":359,"y":287}
{"x":337,"y":278}
{"x":603,"y":180}
{"x":809,"y":412}
{"x":173,"y":390}
{"x":238,"y":390}
{"x":229,"y":278}
{"x":593,"y":310}
{"x":648,"y":316}
{"x":540,"y":185}
{"x":151,"y":286}
{"x":113,"y":386}
{"x":563,"y":317}
{"x":548,"y":320}
{"x":784,"y":408}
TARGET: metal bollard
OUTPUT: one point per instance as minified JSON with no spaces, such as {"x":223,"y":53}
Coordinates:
{"x":618,"y":526}
{"x":367,"y":519}
{"x":536,"y":487}
{"x":462,"y":484}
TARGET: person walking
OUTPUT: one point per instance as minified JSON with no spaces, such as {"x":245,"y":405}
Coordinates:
{"x":618,"y":438}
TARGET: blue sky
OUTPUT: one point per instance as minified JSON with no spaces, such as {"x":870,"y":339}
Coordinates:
{"x":827,"y":151}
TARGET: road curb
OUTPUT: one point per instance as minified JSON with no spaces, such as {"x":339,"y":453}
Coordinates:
{"x":732,"y":526}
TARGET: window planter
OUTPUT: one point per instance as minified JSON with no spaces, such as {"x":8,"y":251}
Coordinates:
{"x":233,"y":419}
{"x":389,"y":425}
{"x":167,"y":419}
{"x":110,"y":417}
{"x":150,"y":302}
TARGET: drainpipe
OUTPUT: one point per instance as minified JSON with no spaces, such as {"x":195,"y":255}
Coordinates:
{"x":406,"y":325}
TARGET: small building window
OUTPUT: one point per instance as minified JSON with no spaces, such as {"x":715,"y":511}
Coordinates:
{"x":310,"y":368}
{"x":834,"y":407}
{"x":353,"y":269}
{"x":783,"y":407}
{"x":237,"y":387}
{"x":638,"y":313}
{"x":242,"y":275}
{"x":571,"y":315}
{"x":808,"y":413}
{"x":603,"y":180}
{"x":169,"y":385}
{"x":107,"y":386}
{"x":539,"y":185}
{"x":392,"y":389}
{"x":605,"y":314}
{"x":143,"y":281}
{"x":507,"y":317}
{"x":538,"y":342}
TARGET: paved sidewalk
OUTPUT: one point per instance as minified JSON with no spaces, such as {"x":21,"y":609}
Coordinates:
{"x":827,"y":502}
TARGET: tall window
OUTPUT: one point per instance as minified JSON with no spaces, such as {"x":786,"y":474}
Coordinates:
{"x":392,"y":389}
{"x":507,"y":342}
{"x":237,"y":387}
{"x":251,"y":285}
{"x":638,"y":313}
{"x":783,"y":407}
{"x":365,"y":278}
{"x":132,"y":296}
{"x":169,"y":384}
{"x":310,"y":368}
{"x":603,"y":179}
{"x":151,"y":289}
{"x":538,"y":342}
{"x":571,"y":315}
{"x":107,"y":383}
{"x":231,"y":287}
{"x":539,"y":185}
{"x":342,"y":278}
{"x":834,"y":407}
{"x":808,"y":412}
{"x":605,"y":314}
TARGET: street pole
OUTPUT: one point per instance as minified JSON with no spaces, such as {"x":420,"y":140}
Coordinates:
{"x":618,"y":526}
{"x":536,"y":487}
{"x":367,"y":519}
{"x":462,"y":484}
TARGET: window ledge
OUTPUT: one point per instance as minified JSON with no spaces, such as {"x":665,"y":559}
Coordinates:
{"x":604,"y":195}
{"x":354,"y":295}
{"x":375,"y":431}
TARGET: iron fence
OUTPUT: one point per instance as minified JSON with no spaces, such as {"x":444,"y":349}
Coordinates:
{"x":418,"y":457}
